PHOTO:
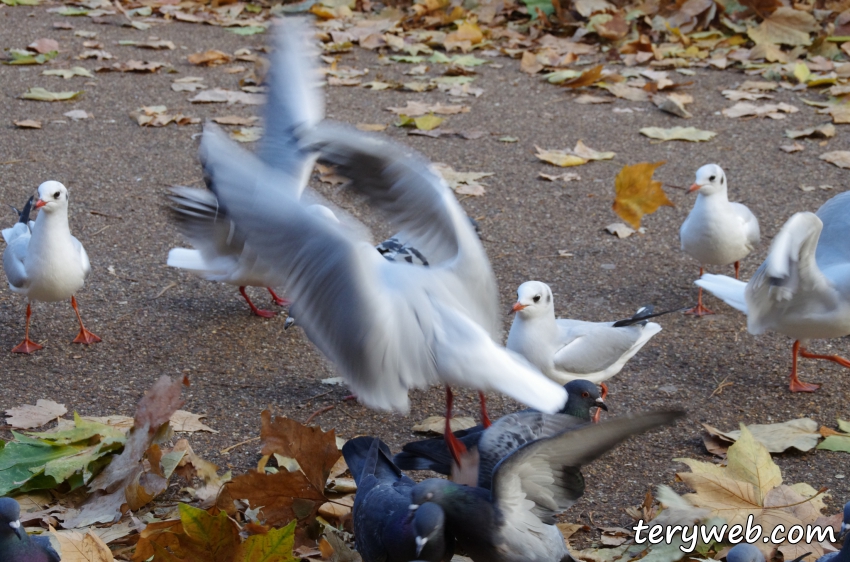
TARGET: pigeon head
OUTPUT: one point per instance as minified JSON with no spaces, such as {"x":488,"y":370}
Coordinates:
{"x":429,"y":525}
{"x":435,"y":490}
{"x":52,"y":196}
{"x":710,"y":180}
{"x":10,"y":513}
{"x":582,"y":397}
{"x":533,"y":299}
{"x":743,"y":552}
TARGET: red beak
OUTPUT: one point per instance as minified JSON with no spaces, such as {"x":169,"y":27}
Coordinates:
{"x":40,"y":203}
{"x":517,"y":307}
{"x":694,"y":187}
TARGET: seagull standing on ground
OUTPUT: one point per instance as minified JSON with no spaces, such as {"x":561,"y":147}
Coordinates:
{"x":294,"y":100}
{"x":15,"y":544}
{"x":44,"y":261}
{"x":802,"y":289}
{"x":717,"y":231}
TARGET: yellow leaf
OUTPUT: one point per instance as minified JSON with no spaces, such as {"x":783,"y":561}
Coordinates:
{"x":78,"y":547}
{"x":637,"y":194}
{"x":727,"y":498}
{"x":786,"y":26}
{"x":559,"y":157}
{"x":802,"y":72}
{"x":427,"y":122}
{"x":749,"y":461}
{"x":274,"y":546}
{"x":587,"y":78}
{"x":467,"y":31}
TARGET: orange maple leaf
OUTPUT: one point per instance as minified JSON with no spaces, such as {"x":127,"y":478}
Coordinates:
{"x":637,"y":194}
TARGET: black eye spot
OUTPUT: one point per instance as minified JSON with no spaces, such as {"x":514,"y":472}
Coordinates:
{"x":536,"y":298}
{"x":711,"y":178}
{"x":56,"y":195}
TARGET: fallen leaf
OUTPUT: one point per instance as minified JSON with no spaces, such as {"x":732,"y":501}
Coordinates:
{"x":630,"y":93}
{"x":137,"y":66}
{"x":738,"y":95}
{"x":44,"y":45}
{"x":790,"y":148}
{"x":835,"y":440}
{"x":620,"y":230}
{"x":67,"y":73}
{"x":565,"y":177}
{"x":247,"y":134}
{"x":678,"y":133}
{"x":800,"y":434}
{"x":587,"y":78}
{"x":637,"y":194}
{"x":772,"y":110}
{"x":27,"y":124}
{"x":235,"y":120}
{"x":182,"y":421}
{"x":209,"y":58}
{"x":529,"y":63}
{"x":75,"y":546}
{"x":40,"y":94}
{"x":560,"y":158}
{"x":417,"y":108}
{"x":671,"y":105}
{"x":44,"y":411}
{"x":464,"y":183}
{"x":437,"y":424}
{"x":371,"y":127}
{"x":588,"y":153}
{"x":219,"y":95}
{"x":786,"y":26}
{"x":840,"y":158}
{"x":826,"y":131}
{"x":377,"y":86}
{"x":589,"y":99}
{"x":274,"y":546}
{"x":94,"y":54}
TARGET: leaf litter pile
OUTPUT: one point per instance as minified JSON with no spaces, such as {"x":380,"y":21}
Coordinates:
{"x":132,"y":488}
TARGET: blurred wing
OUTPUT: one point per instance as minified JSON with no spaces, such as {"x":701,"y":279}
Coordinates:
{"x":751,"y":224}
{"x":294,"y":101}
{"x":16,"y":252}
{"x":832,"y":248}
{"x":542,"y":479}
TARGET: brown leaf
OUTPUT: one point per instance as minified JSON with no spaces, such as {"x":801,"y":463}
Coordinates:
{"x":79,"y":547}
{"x":137,"y":66}
{"x":283,"y":496}
{"x":840,"y":158}
{"x":637,"y":194}
{"x":314,"y":449}
{"x":614,"y":29}
{"x":187,"y":422}
{"x":587,"y":78}
{"x":235,"y":120}
{"x":418,"y":108}
{"x":44,"y":45}
{"x":209,"y":58}
{"x":762,"y":8}
{"x":786,"y":26}
{"x":530,"y":64}
{"x":28,"y":417}
{"x":437,"y":424}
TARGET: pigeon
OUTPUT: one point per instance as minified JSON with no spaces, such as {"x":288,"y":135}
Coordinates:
{"x":802,"y":289}
{"x":294,"y":100}
{"x":515,"y":520}
{"x":505,"y":435}
{"x":566,"y":350}
{"x":842,"y":555}
{"x":385,"y":529}
{"x":15,"y":544}
{"x":44,"y":261}
{"x":717,"y":231}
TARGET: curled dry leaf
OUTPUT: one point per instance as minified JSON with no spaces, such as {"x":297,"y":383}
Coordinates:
{"x":637,"y":194}
{"x":371,"y":127}
{"x":801,"y":434}
{"x":836,"y":440}
{"x":44,"y":45}
{"x":840,"y":158}
{"x":671,"y":104}
{"x":28,"y":417}
{"x":791,"y":148}
{"x":738,"y":95}
{"x":772,"y":110}
{"x":40,"y":94}
{"x":437,"y":424}
{"x":565,"y":177}
{"x":464,"y":183}
{"x":418,"y":108}
{"x":826,"y":131}
{"x":28,"y":124}
{"x":209,"y":58}
{"x":75,"y":546}
{"x":620,"y":230}
{"x":691,"y":134}
{"x":786,"y":26}
{"x":67,"y":73}
{"x":94,"y":54}
{"x":247,"y":134}
{"x":186,"y":422}
{"x":587,"y":78}
{"x":235,"y":120}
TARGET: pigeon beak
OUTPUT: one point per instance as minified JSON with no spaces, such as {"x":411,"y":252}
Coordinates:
{"x":517,"y":307}
{"x":420,"y":544}
{"x":414,"y":506}
{"x":601,"y":404}
{"x":40,"y":203}
{"x":16,"y":526}
{"x":694,"y":187}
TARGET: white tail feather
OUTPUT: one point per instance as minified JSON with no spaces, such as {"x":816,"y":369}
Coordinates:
{"x":731,"y":291}
{"x":185,"y":258}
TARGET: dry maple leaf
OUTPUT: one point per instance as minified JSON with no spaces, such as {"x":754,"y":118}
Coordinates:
{"x":587,"y":78}
{"x":209,"y":58}
{"x":310,"y":446}
{"x":28,"y":417}
{"x":637,"y":194}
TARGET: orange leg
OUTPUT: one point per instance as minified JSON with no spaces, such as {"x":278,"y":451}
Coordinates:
{"x":27,"y":346}
{"x":796,"y":385}
{"x":737,"y":269}
{"x":84,"y":336}
{"x":485,"y":419}
{"x":456,"y":448}
{"x":254,"y":309}
{"x":277,"y":300}
{"x":699,"y":309}
{"x":598,"y":413}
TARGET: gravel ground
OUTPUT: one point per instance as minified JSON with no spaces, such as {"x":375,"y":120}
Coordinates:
{"x":155,"y":320}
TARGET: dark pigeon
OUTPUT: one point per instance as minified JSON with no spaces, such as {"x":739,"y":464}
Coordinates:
{"x":505,"y":435}
{"x":842,"y":555}
{"x":515,"y":522}
{"x":385,"y":528}
{"x":15,"y":544}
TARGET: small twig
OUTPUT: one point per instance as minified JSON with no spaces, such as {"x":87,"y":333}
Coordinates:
{"x":723,"y":384}
{"x":99,"y":231}
{"x":98,"y":213}
{"x":319,"y":412}
{"x":162,"y":292}
{"x":317,"y":396}
{"x":10,"y":162}
{"x":228,"y":449}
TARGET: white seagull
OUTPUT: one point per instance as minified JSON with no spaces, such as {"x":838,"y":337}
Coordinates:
{"x":717,"y":231}
{"x":802,"y":289}
{"x":566,"y":350}
{"x":294,"y":101}
{"x":44,"y":261}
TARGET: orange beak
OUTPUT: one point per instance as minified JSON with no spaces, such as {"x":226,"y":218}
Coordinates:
{"x":40,"y":203}
{"x":517,"y":307}
{"x":694,"y":187}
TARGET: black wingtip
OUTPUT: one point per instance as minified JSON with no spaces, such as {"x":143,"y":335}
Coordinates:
{"x":24,"y":214}
{"x":643,"y":315}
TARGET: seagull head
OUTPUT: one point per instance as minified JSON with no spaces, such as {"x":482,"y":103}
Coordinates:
{"x":52,"y":196}
{"x":10,"y":513}
{"x":710,"y":179}
{"x":582,"y":397}
{"x":743,"y":552}
{"x":429,"y":525}
{"x":533,"y":299}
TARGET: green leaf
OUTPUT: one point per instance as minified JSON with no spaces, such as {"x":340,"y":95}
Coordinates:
{"x":40,"y":94}
{"x":22,"y":57}
{"x":844,"y":426}
{"x":69,"y":11}
{"x":561,"y":76}
{"x":407,"y":59}
{"x":248,"y":30}
{"x":83,"y":430}
{"x":468,"y":60}
{"x":439,"y":58}
{"x":836,"y":443}
{"x":274,"y":546}
{"x":253,"y":8}
{"x":68,"y":72}
{"x":545,"y":6}
{"x":213,"y":536}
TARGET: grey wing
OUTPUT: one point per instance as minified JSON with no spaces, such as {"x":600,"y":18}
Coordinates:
{"x":84,"y":257}
{"x":205,"y":224}
{"x":832,"y":248}
{"x":542,"y":479}
{"x":46,"y":547}
{"x":750,"y":222}
{"x":14,"y":261}
{"x":511,"y":432}
{"x":294,"y":101}
{"x":419,"y":204}
{"x":590,"y":347}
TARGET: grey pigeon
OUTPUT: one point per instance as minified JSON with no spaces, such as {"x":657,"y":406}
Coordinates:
{"x":15,"y":544}
{"x":505,"y":435}
{"x":515,"y":522}
{"x":842,"y":555}
{"x":385,"y":529}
